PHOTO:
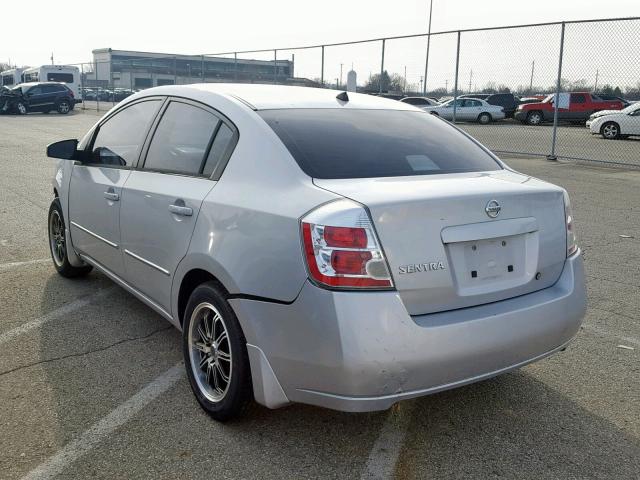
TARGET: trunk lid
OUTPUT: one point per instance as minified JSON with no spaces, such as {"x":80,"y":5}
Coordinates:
{"x":446,"y":252}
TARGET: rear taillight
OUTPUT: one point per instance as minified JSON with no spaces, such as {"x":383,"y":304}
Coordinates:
{"x":572,"y":245}
{"x":341,"y":248}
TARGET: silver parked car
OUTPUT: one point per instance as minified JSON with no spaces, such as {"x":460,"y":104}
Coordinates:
{"x":340,"y":250}
{"x":468,"y":109}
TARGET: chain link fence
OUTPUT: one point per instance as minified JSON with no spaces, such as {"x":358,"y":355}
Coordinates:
{"x":555,"y":75}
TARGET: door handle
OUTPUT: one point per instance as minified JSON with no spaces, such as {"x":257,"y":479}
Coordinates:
{"x":113,"y":196}
{"x":181,"y":210}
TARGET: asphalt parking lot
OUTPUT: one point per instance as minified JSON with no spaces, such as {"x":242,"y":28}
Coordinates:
{"x":91,"y":384}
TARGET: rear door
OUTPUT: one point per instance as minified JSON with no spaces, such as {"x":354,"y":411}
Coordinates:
{"x":161,"y":200}
{"x":96,"y":184}
{"x":580,"y":108}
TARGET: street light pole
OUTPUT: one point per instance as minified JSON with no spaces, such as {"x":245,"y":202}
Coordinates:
{"x":426,"y":63}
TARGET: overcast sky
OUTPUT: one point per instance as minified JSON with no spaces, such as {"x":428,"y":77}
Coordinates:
{"x":195,"y":27}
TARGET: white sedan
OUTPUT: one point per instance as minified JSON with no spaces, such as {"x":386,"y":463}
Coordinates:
{"x":612,"y":124}
{"x":468,"y":109}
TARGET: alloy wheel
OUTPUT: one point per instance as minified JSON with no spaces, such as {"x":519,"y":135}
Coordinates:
{"x":210,"y":352}
{"x":63,"y":107}
{"x":610,"y":130}
{"x":57,"y":238}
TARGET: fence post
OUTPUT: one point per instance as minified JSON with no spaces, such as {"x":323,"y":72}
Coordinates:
{"x":381,"y":68}
{"x":235,"y":65}
{"x":552,"y":155}
{"x":322,"y":69}
{"x":275,"y":66}
{"x":426,"y":63}
{"x":455,"y":86}
{"x":97,"y":86}
{"x":82,"y":84}
{"x":175,"y":70}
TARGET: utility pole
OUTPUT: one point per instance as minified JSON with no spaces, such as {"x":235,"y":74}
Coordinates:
{"x":405,"y":79}
{"x":533,"y":66}
{"x":470,"y":79}
{"x":426,"y":63}
{"x":52,"y":59}
{"x":446,"y":86}
{"x":595,"y":87}
{"x":340,"y":75}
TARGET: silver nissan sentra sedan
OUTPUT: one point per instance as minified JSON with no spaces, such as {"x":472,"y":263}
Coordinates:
{"x":316,"y":246}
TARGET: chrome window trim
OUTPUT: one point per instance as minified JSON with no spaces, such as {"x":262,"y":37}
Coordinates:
{"x":147,"y":262}
{"x":95,"y":235}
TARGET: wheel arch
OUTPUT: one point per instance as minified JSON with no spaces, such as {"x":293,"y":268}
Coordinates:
{"x":190,"y":281}
{"x":485,"y":113}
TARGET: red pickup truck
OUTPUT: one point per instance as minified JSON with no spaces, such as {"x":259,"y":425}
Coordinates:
{"x":580,"y":106}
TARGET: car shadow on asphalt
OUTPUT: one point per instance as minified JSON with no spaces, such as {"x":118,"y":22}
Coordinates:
{"x":513,"y":426}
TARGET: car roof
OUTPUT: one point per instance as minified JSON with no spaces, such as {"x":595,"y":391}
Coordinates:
{"x":265,"y":97}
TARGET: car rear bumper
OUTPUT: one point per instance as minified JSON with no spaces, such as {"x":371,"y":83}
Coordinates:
{"x":361,"y":351}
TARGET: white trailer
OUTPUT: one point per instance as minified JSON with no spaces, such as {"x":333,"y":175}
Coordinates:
{"x":55,"y":73}
{"x":11,"y":77}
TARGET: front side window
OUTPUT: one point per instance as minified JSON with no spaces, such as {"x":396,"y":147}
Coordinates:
{"x":181,"y":140}
{"x":334,"y":143}
{"x":120,"y":138}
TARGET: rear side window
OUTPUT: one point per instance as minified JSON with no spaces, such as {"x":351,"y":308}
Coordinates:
{"x":334,"y":143}
{"x":120,"y":138}
{"x":60,"y":77}
{"x":219,"y":149}
{"x":181,"y":140}
{"x":578,"y":98}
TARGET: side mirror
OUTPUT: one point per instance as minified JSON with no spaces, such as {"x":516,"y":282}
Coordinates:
{"x":65,"y":149}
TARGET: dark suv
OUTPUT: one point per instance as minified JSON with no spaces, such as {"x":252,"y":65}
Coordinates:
{"x":508,"y":101}
{"x":47,"y":96}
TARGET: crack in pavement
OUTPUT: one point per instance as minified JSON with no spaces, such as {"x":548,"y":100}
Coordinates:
{"x":612,"y":281}
{"x":81,"y":354}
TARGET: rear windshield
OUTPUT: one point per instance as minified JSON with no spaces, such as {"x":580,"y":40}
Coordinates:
{"x":344,"y":143}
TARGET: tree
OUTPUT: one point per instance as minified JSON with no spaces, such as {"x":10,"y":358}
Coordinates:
{"x":394,"y":82}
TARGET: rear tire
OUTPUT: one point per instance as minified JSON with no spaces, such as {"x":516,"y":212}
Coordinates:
{"x":484,"y":118}
{"x":58,"y":244}
{"x":534,"y":118}
{"x":610,"y":131}
{"x":63,"y":107}
{"x":215,"y":354}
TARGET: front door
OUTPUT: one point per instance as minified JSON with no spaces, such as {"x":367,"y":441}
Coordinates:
{"x":161,"y":200}
{"x":96,"y":185}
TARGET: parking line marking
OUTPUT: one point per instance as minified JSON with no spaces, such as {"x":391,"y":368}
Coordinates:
{"x":52,"y":315}
{"x":75,"y":449}
{"x":384,"y":455}
{"x":608,"y":333}
{"x":8,"y":266}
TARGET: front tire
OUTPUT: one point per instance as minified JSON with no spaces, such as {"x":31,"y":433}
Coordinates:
{"x":484,"y":118}
{"x":21,"y":108}
{"x":58,"y":244}
{"x":610,"y":131}
{"x":63,"y":107}
{"x":215,"y":354}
